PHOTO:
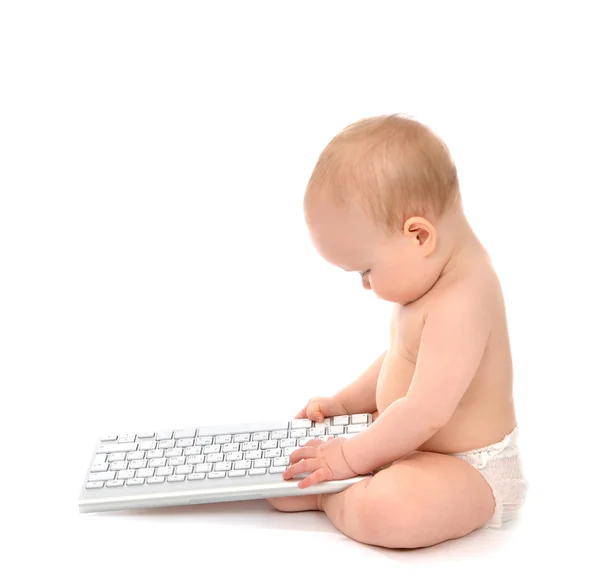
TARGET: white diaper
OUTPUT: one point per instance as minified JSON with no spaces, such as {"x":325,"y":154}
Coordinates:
{"x":500,"y":464}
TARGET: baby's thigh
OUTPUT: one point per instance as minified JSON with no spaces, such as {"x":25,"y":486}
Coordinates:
{"x":424,"y":499}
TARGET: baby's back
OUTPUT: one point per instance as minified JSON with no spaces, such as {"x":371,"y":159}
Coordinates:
{"x":486,"y":412}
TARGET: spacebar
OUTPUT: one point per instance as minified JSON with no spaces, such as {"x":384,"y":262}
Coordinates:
{"x":252,"y":427}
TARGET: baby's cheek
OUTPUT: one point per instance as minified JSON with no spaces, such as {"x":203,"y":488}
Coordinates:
{"x":386,"y":290}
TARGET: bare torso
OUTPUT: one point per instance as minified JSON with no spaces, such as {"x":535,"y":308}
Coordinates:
{"x":486,"y":412}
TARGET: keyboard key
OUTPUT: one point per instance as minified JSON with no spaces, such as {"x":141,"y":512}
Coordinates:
{"x":236,"y":456}
{"x":192,"y":451}
{"x":242,"y":438}
{"x":92,"y":485}
{"x":99,"y":459}
{"x":230,"y":447}
{"x":164,"y":471}
{"x":177,"y":461}
{"x":155,"y":480}
{"x":117,"y":456}
{"x":301,"y":423}
{"x":166,"y":444}
{"x":193,"y":459}
{"x":271,"y":444}
{"x":260,"y":436}
{"x":145,"y":472}
{"x":147,"y":445}
{"x":103,"y":476}
{"x":215,"y":458}
{"x":216,"y":475}
{"x":127,"y":474}
{"x":277,"y":469}
{"x":279,"y":435}
{"x":286,"y":443}
{"x":136,"y":481}
{"x":209,"y":449}
{"x":224,"y":466}
{"x":242,"y":464}
{"x":220,"y":439}
{"x":175,"y":452}
{"x":288,"y":451}
{"x":250,"y":446}
{"x":184,"y":469}
{"x":115,"y":483}
{"x":335,"y":430}
{"x":134,"y":455}
{"x":155,"y":454}
{"x":281,"y":461}
{"x":185,"y":434}
{"x":117,"y":447}
{"x":356,"y":428}
{"x":196,"y":476}
{"x":176,"y":478}
{"x":237,"y":473}
{"x":138,"y":464}
{"x":109,"y":438}
{"x":257,"y":471}
{"x":254,"y":454}
{"x":203,"y":468}
{"x":158,"y":462}
{"x":298,"y":433}
{"x":100,"y":467}
{"x":273,"y":453}
{"x":148,"y":435}
{"x":118,"y":465}
{"x":304,"y":440}
{"x":201,"y":441}
{"x":358,"y":419}
{"x":126,"y":438}
{"x":185,"y":442}
{"x":343,"y":419}
{"x":164,"y":435}
{"x":261,"y":463}
{"x":319,"y":428}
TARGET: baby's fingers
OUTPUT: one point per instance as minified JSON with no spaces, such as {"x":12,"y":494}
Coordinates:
{"x":318,"y":476}
{"x":313,"y":412}
{"x":301,"y":467}
{"x":302,"y":453}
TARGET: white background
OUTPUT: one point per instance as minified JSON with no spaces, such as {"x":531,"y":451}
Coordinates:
{"x":156,"y":271}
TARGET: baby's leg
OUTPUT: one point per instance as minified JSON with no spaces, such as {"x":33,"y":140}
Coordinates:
{"x":422,"y":500}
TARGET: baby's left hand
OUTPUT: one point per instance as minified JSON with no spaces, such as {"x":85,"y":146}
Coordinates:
{"x":324,"y":460}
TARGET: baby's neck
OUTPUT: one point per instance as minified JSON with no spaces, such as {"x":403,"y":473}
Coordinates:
{"x":461,"y":246}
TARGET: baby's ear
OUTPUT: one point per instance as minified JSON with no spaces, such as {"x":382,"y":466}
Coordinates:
{"x":422,"y":233}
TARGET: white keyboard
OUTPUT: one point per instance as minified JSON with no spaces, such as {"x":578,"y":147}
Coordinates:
{"x":207,"y":464}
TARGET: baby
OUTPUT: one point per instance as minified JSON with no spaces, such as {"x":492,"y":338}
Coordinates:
{"x":384,"y":201}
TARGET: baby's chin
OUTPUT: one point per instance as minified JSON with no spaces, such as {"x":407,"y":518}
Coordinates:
{"x":396,"y":297}
{"x":405,"y":296}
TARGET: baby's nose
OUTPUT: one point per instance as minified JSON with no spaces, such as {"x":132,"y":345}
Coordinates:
{"x":366,"y":282}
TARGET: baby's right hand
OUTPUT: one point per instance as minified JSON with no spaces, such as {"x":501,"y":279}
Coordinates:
{"x":319,"y":408}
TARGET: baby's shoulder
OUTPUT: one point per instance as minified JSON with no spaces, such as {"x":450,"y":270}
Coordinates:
{"x":476,"y":289}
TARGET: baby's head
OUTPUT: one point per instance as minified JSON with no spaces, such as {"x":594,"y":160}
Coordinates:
{"x":375,"y":202}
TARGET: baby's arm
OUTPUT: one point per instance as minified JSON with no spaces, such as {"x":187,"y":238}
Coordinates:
{"x":359,"y":397}
{"x":452,"y":344}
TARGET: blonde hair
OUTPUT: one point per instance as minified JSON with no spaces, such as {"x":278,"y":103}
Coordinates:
{"x":397,"y":167}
